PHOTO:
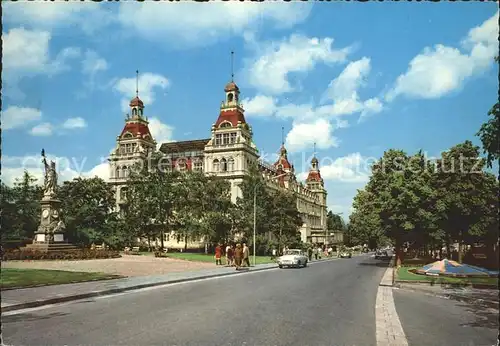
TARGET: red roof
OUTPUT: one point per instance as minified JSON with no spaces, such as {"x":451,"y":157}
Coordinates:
{"x":136,"y":101}
{"x":231,"y":115}
{"x":231,"y":86}
{"x":314,"y":176}
{"x":284,"y":162}
{"x":136,"y":128}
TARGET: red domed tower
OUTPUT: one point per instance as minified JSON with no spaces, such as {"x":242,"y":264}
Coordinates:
{"x":134,"y":143}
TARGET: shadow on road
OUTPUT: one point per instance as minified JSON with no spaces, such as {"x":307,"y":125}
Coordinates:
{"x":486,"y":314}
{"x":381,"y":264}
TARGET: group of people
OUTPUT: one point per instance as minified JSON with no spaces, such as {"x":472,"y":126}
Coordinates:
{"x":236,"y":255}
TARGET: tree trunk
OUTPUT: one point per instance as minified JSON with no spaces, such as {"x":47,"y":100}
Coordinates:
{"x":460,"y":248}
{"x":398,"y":252}
{"x":185,"y":242}
{"x":149,"y":243}
{"x":162,"y":235}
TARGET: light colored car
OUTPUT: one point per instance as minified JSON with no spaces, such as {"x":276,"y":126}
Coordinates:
{"x":293,"y":258}
{"x":345,"y":254}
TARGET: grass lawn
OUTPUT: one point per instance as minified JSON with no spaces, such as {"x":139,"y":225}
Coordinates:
{"x":16,"y":278}
{"x":201,"y":257}
{"x":404,"y":274}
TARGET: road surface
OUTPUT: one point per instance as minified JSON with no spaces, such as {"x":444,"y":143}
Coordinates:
{"x":433,"y":321}
{"x":327,"y":303}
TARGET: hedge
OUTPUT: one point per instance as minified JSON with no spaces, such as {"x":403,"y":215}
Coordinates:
{"x":33,"y":255}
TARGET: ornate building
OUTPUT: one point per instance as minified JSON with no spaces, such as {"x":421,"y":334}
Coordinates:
{"x":228,"y":153}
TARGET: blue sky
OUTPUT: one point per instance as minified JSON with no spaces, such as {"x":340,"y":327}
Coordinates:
{"x":356,"y":78}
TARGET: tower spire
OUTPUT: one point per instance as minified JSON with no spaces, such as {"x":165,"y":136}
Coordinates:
{"x":137,"y":83}
{"x":314,"y":150}
{"x":282,"y":135}
{"x":232,"y":66}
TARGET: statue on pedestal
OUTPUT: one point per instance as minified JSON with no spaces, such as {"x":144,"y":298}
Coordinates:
{"x":50,"y":177}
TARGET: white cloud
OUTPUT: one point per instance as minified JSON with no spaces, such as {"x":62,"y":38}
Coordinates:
{"x":148,"y":82}
{"x":303,"y":135}
{"x":44,"y":129}
{"x":67,"y":168}
{"x":74,"y":123}
{"x":26,"y":53}
{"x":260,"y":105}
{"x":440,"y":70}
{"x":212,"y":21}
{"x":14,"y":117}
{"x":161,"y":132}
{"x":90,"y":16}
{"x":270,"y":70}
{"x":93,"y":63}
{"x":352,"y":168}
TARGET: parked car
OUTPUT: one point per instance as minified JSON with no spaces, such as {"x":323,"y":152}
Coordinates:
{"x":293,"y":258}
{"x":345,"y":254}
{"x":382,"y":255}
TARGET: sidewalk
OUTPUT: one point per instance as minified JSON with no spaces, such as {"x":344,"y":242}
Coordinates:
{"x":44,"y":295}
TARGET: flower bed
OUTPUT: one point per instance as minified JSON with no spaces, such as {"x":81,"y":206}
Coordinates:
{"x":33,"y":255}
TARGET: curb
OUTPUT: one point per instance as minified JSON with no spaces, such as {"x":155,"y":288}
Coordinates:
{"x":69,"y":298}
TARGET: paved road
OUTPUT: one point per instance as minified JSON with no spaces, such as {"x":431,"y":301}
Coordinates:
{"x":329,"y":303}
{"x":430,"y":320}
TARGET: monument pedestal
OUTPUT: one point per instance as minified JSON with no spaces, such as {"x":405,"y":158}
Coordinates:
{"x":50,"y":233}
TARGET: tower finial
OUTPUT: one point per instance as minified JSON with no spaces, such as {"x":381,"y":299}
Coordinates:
{"x":282,"y":135}
{"x":137,"y":83}
{"x":314,"y":150}
{"x":232,"y":66}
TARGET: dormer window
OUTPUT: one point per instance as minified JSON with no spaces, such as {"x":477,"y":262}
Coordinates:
{"x":225,"y":124}
{"x":127,"y":135}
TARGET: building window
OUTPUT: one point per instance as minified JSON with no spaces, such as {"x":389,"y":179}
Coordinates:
{"x":223,"y":164}
{"x":233,"y":137}
{"x":124,"y":171}
{"x":225,"y":124}
{"x":198,"y":166}
{"x":181,"y":166}
{"x":117,"y":172}
{"x":230,"y":97}
{"x":230,"y":164}
{"x":225,"y":138}
{"x":123,"y":193}
{"x":218,"y":139}
{"x":134,"y":111}
{"x":216,"y":165}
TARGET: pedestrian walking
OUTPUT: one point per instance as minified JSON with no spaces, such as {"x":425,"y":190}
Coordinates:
{"x":238,"y":254}
{"x":246,"y":255}
{"x":218,"y":254}
{"x":273,"y":254}
{"x":310,"y":253}
{"x":229,"y":255}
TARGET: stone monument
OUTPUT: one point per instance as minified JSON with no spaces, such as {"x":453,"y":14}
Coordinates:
{"x":50,"y":235}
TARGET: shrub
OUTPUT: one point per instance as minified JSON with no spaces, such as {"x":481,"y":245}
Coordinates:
{"x":34,"y":255}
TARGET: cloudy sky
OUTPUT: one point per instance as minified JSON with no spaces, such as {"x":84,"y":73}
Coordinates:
{"x":354,"y":78}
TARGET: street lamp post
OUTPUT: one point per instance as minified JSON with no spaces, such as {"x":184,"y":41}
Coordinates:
{"x":255,"y":215}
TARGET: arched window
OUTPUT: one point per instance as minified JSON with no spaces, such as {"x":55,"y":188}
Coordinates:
{"x":216,"y":165}
{"x":127,"y":135}
{"x":225,"y":124}
{"x":134,"y":111}
{"x":230,"y":164}
{"x":124,"y":172}
{"x":181,"y":166}
{"x":140,"y":111}
{"x":117,"y":172}
{"x":123,"y":193}
{"x":223,"y":164}
{"x":230,"y":97}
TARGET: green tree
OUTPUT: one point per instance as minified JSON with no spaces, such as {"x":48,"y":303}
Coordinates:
{"x":253,"y":181}
{"x":88,"y":205}
{"x":489,"y":134}
{"x":463,"y":191}
{"x":284,"y":218}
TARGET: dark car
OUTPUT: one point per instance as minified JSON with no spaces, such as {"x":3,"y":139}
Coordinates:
{"x":382,"y":255}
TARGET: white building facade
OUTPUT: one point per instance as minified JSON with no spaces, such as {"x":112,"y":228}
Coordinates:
{"x":228,"y":154}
